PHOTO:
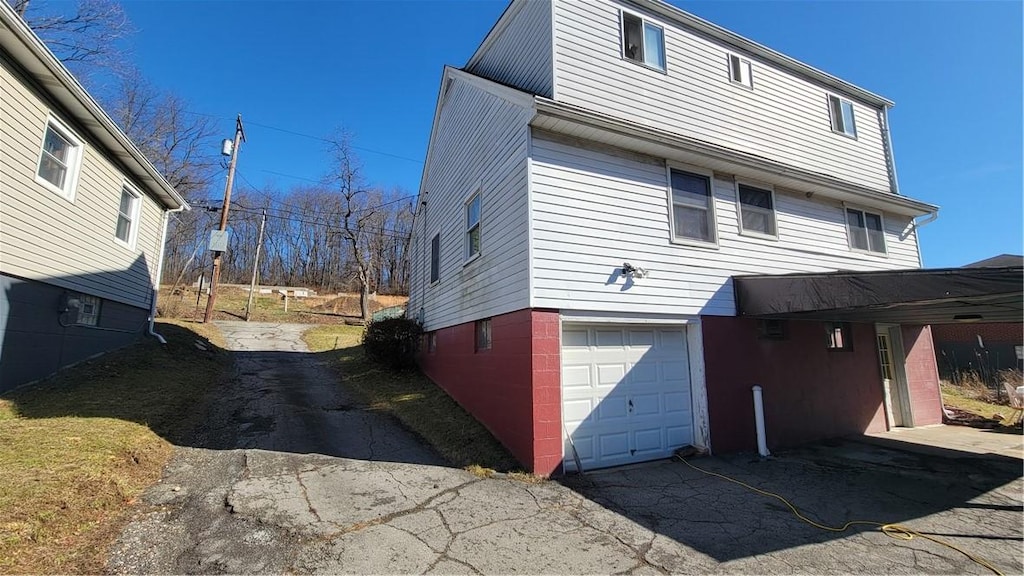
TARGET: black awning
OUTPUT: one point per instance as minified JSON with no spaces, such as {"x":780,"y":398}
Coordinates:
{"x":937,"y":296}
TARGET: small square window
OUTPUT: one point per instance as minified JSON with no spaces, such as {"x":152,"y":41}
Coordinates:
{"x":838,"y":336}
{"x":643,"y":41}
{"x":473,"y":226}
{"x":59,"y":160}
{"x":866,"y":231}
{"x":435,"y":258}
{"x":483,"y":334}
{"x":740,"y":71}
{"x":128,"y":216}
{"x":757,"y":210}
{"x":771,"y":329}
{"x":88,"y":310}
{"x":841,"y":112}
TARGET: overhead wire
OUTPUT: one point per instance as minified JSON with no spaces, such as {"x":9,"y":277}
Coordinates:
{"x":896,"y":531}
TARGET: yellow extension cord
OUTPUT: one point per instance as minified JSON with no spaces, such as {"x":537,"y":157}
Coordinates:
{"x":897,"y":531}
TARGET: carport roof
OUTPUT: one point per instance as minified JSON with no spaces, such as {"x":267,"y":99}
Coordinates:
{"x":921,"y":296}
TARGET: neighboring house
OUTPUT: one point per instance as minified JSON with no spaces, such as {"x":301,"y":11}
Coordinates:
{"x":583,"y":136}
{"x":981,"y":347}
{"x":82,"y":218}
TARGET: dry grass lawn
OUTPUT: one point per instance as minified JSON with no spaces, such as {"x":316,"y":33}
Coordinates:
{"x":231,"y":303}
{"x":977,"y":403}
{"x":77,"y":450}
{"x":414,"y":400}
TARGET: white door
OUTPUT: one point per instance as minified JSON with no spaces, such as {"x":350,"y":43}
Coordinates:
{"x":625,"y":394}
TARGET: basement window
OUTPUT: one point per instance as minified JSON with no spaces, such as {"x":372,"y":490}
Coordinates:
{"x":85,"y":309}
{"x":643,"y":42}
{"x":771,"y":329}
{"x":838,"y":336}
{"x":483,"y":334}
{"x":432,"y":342}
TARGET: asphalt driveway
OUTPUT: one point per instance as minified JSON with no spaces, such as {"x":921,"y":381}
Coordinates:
{"x":290,"y":475}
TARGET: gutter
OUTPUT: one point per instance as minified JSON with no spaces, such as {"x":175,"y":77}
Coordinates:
{"x":159,"y":273}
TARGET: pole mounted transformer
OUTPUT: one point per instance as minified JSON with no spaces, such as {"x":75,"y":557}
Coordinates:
{"x":227,"y":147}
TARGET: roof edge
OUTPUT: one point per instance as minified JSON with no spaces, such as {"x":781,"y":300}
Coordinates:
{"x":72,"y":88}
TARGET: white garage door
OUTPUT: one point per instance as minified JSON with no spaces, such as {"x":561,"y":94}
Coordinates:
{"x":625,"y":393}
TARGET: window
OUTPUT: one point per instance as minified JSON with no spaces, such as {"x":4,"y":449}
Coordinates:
{"x":772,"y":329}
{"x":865,"y":230}
{"x":59,"y":160}
{"x":483,"y":334}
{"x":643,"y":42}
{"x":692,"y":211}
{"x":432,"y":342}
{"x":838,"y":336}
{"x":841,"y":112}
{"x":757,"y":210}
{"x":740,"y":71}
{"x":435,"y":258}
{"x":88,"y":310}
{"x":128,"y":216}
{"x":473,"y":226}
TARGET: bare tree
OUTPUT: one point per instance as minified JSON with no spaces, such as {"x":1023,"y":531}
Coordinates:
{"x":356,"y":214}
{"x":86,"y":39}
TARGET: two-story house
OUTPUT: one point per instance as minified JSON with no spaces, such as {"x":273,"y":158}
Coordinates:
{"x":83,"y":215}
{"x":600,"y":177}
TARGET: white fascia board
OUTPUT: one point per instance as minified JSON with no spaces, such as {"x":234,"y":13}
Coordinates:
{"x":831,"y":187}
{"x":25,"y":48}
{"x":732,"y":39}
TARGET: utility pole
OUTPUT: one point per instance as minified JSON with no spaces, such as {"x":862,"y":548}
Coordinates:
{"x":255,"y":266}
{"x":215,"y":276}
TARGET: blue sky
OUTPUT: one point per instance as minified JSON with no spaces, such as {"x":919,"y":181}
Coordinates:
{"x":953,"y":69}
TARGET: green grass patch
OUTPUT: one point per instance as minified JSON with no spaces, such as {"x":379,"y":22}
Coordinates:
{"x":412,"y":398}
{"x":78,"y":449}
{"x":970,"y":400}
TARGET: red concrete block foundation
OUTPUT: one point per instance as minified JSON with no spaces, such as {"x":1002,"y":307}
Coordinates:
{"x":810,"y":392}
{"x":514,"y":388}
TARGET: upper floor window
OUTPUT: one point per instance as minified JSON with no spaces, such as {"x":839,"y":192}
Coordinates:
{"x":757,"y":210}
{"x":866,"y":230}
{"x":693,"y":216}
{"x":59,"y":160}
{"x":740,"y":71}
{"x":643,"y":41}
{"x":841,"y":112}
{"x":128,"y":216}
{"x":435,"y":258}
{"x":473,"y":226}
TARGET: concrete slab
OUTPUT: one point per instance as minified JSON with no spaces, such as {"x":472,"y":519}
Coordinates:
{"x":942,"y":440}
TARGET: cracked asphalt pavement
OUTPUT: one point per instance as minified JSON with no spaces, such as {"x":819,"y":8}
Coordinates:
{"x":289,"y":474}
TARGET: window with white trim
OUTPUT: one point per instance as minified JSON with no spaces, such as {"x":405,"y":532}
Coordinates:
{"x":841,"y":112}
{"x":435,"y":258}
{"x":740,"y":71}
{"x":866,"y":230}
{"x":128,"y":216}
{"x":692,"y":213}
{"x":473,"y":226}
{"x":643,"y":41}
{"x":59,"y":160}
{"x":757,"y":210}
{"x":838,"y":336}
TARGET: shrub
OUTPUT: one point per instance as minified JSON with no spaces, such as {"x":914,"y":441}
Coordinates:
{"x":393,"y":341}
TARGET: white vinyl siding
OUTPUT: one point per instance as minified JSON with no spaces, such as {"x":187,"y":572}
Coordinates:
{"x":520,"y":54}
{"x":595,"y":207}
{"x":785,"y":119}
{"x":49,"y":239}
{"x":479,"y":143}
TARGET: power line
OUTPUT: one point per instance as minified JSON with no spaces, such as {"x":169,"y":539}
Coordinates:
{"x":388,"y":232}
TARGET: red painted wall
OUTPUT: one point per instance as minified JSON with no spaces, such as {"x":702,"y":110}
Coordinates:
{"x":514,"y":388}
{"x":922,"y":375}
{"x":810,"y":392}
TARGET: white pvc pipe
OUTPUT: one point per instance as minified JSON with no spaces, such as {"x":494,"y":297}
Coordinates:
{"x":762,"y":442}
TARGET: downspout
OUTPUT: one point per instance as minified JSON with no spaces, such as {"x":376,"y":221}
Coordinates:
{"x":159,"y":273}
{"x":894,"y":184}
